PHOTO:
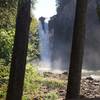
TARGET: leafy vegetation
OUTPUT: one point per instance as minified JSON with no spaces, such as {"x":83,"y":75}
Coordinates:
{"x":4,"y":76}
{"x":31,"y":77}
{"x":34,"y":83}
{"x":6,"y":44}
{"x":51,"y":96}
{"x":8,"y":11}
{"x":33,"y":51}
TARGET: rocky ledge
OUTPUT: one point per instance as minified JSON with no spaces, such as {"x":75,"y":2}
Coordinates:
{"x":90,"y":85}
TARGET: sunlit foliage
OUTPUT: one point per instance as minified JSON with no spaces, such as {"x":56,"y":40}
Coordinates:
{"x":8,"y":12}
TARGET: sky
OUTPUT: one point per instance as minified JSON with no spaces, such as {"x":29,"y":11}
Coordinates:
{"x":46,"y":8}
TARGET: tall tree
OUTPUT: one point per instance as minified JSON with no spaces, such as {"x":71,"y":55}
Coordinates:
{"x":17,"y":71}
{"x":73,"y":88}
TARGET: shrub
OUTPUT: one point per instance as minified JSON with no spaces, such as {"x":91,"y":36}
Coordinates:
{"x":6,"y":44}
{"x":30,"y":84}
{"x":51,"y":96}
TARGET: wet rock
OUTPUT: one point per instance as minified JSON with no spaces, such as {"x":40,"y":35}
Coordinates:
{"x":62,"y":92}
{"x":90,"y":87}
{"x":89,"y":78}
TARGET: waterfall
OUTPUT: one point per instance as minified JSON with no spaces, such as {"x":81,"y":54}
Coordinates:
{"x":44,"y":46}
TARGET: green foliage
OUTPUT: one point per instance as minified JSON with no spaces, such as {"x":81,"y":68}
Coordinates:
{"x":33,"y":84}
{"x":3,"y":90}
{"x":33,"y":51}
{"x":7,"y":39}
{"x":30,"y":86}
{"x":4,"y":76}
{"x":25,"y":97}
{"x":2,"y":62}
{"x":4,"y":73}
{"x":31,"y":77}
{"x":8,"y":11}
{"x":51,"y":96}
{"x":8,"y":3}
{"x":52,"y":83}
{"x":6,"y":44}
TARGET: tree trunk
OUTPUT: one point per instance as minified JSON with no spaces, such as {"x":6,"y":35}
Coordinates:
{"x":17,"y":71}
{"x":74,"y":78}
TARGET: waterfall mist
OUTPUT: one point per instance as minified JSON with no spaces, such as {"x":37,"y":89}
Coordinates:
{"x":44,"y":45}
{"x":58,"y":38}
{"x":52,"y":52}
{"x":63,"y":28}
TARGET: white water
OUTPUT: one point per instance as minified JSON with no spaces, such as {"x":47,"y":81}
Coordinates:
{"x":45,"y":53}
{"x":44,"y":47}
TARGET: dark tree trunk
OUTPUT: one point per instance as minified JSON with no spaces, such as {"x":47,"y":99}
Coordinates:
{"x":17,"y":71}
{"x":73,"y":88}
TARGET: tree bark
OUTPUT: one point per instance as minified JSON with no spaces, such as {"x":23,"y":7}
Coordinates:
{"x":17,"y":71}
{"x":74,"y":78}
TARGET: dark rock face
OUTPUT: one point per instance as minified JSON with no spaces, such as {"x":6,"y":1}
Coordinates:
{"x":92,"y":48}
{"x":62,"y":36}
{"x":62,"y":26}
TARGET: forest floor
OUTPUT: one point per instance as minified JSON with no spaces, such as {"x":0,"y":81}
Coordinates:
{"x":49,"y":86}
{"x":90,"y":88}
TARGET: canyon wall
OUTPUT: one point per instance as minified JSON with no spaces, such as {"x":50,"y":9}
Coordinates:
{"x":61,"y":29}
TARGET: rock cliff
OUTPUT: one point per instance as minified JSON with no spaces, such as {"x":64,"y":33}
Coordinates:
{"x":62,"y":26}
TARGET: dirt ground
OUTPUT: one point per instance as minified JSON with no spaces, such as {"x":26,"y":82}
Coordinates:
{"x":90,"y":87}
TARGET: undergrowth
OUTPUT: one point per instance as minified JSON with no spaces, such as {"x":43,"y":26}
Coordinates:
{"x":33,"y":84}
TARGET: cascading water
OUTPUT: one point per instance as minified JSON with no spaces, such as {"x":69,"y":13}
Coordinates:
{"x":44,"y":45}
{"x":58,"y":58}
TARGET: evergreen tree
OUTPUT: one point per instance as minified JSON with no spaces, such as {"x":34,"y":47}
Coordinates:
{"x":17,"y":71}
{"x":73,"y":88}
